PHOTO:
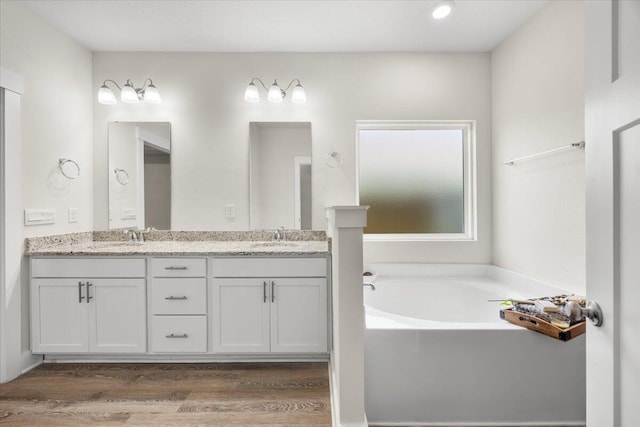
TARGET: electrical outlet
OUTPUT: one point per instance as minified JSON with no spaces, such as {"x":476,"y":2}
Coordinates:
{"x":230,"y":211}
{"x":73,"y":215}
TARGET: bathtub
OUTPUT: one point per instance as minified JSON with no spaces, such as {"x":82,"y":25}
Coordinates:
{"x":437,"y":353}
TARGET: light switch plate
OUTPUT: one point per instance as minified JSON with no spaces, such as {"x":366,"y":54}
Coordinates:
{"x":39,"y":216}
{"x":230,"y":211}
{"x":73,"y":215}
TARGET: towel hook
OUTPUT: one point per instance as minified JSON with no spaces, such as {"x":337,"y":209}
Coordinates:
{"x":121,"y":176}
{"x":334,"y":159}
{"x":62,"y":161}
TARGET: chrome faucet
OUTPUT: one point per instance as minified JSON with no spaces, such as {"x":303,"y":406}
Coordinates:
{"x":133,"y":235}
{"x":137,"y":236}
{"x":371,"y":285}
{"x":278,"y":235}
{"x":141,"y":233}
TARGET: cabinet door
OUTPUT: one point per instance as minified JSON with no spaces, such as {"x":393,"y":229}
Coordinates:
{"x":240,"y":315}
{"x":58,"y":316}
{"x":299,"y":315}
{"x":117,"y":316}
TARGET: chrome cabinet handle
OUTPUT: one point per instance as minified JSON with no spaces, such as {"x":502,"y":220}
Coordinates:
{"x":264,"y":291}
{"x":172,"y":298}
{"x":171,"y":267}
{"x":80,"y":297}
{"x":178,"y":336}
{"x":89,"y":297}
{"x":273,"y":291}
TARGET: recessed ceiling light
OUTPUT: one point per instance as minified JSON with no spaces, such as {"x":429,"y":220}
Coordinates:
{"x":442,"y":9}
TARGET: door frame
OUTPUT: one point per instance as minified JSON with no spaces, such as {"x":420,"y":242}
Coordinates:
{"x":298,"y":162}
{"x":160,"y":143}
{"x":13,"y":361}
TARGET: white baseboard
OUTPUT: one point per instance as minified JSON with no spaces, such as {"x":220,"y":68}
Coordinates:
{"x":483,"y":424}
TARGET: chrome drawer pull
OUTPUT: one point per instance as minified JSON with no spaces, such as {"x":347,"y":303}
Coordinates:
{"x":176,"y":298}
{"x":176,"y":268}
{"x":80,"y":297}
{"x":89,"y":297}
{"x":264,"y":291}
{"x":178,"y":336}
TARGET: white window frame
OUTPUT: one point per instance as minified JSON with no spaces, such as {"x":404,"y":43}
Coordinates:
{"x":468,"y":128}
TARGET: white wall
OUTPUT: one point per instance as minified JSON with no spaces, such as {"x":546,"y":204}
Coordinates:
{"x":56,"y":115}
{"x":538,"y":104}
{"x":202,"y":96}
{"x":55,"y":121}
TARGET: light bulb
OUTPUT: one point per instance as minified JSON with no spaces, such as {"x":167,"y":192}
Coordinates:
{"x":275,"y":93}
{"x":128,"y":94}
{"x":251,"y":93}
{"x":298,"y":96}
{"x":442,"y":9}
{"x":152,"y":95}
{"x":106,"y":96}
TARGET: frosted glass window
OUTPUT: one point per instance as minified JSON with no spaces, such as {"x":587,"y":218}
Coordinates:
{"x":413,"y":180}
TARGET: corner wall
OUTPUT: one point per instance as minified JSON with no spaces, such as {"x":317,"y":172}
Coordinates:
{"x":538,"y":105}
{"x":57,"y":118}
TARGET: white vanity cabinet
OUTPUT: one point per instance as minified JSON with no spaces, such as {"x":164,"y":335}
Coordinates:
{"x":269,"y":305}
{"x":94,"y":305}
{"x":178,"y":305}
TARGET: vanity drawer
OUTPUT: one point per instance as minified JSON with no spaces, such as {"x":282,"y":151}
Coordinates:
{"x":179,"y":334}
{"x":179,"y":296}
{"x":269,"y":267}
{"x":88,"y":267}
{"x":178,"y":267}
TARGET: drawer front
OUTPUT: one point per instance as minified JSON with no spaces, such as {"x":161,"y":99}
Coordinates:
{"x":178,"y":267}
{"x":179,"y":334}
{"x":88,"y":267}
{"x":269,"y":267}
{"x":179,"y":295}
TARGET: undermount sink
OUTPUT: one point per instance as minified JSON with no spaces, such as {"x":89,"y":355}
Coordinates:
{"x":274,"y":244}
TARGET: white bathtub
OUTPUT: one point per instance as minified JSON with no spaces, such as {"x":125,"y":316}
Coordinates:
{"x":438,"y":353}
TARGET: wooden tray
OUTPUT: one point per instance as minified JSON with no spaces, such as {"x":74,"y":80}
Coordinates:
{"x":539,"y":325}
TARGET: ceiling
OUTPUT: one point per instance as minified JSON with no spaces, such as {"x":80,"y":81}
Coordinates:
{"x":285,"y":25}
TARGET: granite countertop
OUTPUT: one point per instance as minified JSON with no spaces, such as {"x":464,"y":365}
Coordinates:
{"x":161,"y":243}
{"x":186,"y":248}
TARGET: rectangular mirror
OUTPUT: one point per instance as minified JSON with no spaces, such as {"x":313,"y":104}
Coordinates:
{"x":140,"y":175}
{"x":280,"y":175}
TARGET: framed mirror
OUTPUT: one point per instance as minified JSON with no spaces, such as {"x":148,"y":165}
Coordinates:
{"x":140,"y":175}
{"x":280,"y":175}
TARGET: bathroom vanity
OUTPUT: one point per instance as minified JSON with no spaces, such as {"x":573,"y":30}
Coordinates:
{"x":236,"y":300}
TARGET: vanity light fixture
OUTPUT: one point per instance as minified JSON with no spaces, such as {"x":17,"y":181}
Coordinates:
{"x":442,"y":9}
{"x":129,"y":94}
{"x":275,"y":94}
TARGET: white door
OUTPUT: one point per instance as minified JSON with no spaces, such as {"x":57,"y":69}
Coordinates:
{"x":613,"y":210}
{"x":240,"y":315}
{"x":117,"y":315}
{"x":59,"y":316}
{"x":299,"y":315}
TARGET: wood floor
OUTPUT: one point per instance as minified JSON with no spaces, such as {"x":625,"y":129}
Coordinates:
{"x":274,"y":394}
